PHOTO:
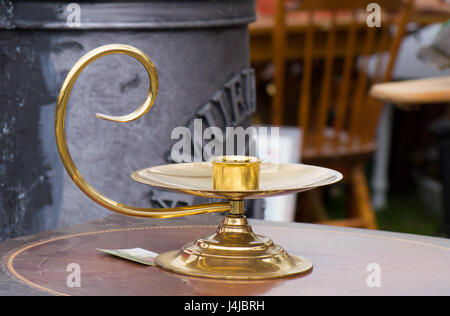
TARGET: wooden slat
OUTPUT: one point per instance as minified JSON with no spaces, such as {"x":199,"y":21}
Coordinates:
{"x":361,"y":196}
{"x":305,"y":90}
{"x":279,"y":53}
{"x":324,"y":101}
{"x":370,"y":106}
{"x":393,"y":52}
{"x":360,"y":89}
{"x":342,"y":99}
{"x":383,"y":48}
{"x":401,"y":30}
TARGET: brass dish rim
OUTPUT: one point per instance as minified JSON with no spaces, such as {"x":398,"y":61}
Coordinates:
{"x":335,"y":176}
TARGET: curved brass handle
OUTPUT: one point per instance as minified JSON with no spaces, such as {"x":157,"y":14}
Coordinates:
{"x":67,"y":161}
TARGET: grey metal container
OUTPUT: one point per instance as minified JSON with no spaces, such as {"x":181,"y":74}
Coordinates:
{"x":200,"y":49}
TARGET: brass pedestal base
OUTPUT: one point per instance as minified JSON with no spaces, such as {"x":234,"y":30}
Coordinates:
{"x":233,"y":252}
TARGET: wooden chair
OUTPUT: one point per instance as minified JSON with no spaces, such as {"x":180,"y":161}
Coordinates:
{"x":337,"y":116}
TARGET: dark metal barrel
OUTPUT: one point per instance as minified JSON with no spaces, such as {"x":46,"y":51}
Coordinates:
{"x":201,"y":52}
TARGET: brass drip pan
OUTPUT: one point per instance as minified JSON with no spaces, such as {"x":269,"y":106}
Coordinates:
{"x":234,"y":252}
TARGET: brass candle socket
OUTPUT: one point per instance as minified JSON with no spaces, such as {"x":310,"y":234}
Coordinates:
{"x":235,"y":173}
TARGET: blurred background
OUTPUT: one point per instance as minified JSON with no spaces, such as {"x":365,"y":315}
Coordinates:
{"x":316,"y":62}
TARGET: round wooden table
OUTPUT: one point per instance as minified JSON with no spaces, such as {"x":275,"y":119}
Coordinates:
{"x":346,"y":261}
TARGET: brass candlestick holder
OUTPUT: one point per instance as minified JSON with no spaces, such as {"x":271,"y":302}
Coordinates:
{"x":234,"y":251}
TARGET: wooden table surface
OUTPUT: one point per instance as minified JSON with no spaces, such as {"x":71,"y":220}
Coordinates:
{"x":346,"y":261}
{"x":410,"y":92}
